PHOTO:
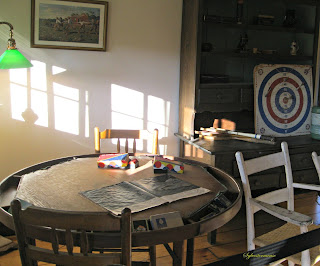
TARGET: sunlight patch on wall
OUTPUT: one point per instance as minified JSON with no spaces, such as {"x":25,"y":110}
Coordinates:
{"x":127,"y":110}
{"x":57,"y":70}
{"x":38,"y":76}
{"x":19,"y":92}
{"x":132,"y":110}
{"x":65,"y":91}
{"x":19,"y":101}
{"x":39,"y":104}
{"x":86,"y":122}
{"x":19,"y":76}
{"x":158,"y":117}
{"x":127,"y":101}
{"x":31,"y":91}
{"x":39,"y":97}
{"x":66,"y":108}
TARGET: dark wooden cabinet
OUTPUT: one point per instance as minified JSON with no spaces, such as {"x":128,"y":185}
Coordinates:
{"x":220,"y":46}
{"x":221,"y":154}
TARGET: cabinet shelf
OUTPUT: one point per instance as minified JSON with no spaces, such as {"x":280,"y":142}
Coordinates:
{"x":253,"y":27}
{"x":275,"y":56}
{"x":278,"y":28}
{"x":227,"y":84}
{"x":302,"y":2}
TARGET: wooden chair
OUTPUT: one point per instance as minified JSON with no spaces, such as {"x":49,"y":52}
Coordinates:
{"x":316,"y":161}
{"x":128,"y":134}
{"x":73,"y":229}
{"x":296,"y":223}
{"x":124,"y":134}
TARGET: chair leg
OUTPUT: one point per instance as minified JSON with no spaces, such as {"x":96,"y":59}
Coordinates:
{"x":153,"y":255}
{"x":291,"y":263}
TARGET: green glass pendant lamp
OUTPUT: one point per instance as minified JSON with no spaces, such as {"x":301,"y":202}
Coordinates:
{"x":12,"y":58}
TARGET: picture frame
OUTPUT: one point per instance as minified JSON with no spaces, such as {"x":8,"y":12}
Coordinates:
{"x":69,"y":24}
{"x":166,"y":220}
{"x":140,"y":226}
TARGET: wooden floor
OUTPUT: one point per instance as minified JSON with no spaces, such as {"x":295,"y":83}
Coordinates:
{"x":231,"y":238}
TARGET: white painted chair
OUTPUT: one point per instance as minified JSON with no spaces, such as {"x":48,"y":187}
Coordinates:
{"x":296,"y":223}
{"x":316,"y":161}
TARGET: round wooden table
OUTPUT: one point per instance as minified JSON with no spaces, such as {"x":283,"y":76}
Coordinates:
{"x":56,"y":184}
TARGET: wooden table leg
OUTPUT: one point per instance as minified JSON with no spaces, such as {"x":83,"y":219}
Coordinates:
{"x":153,"y":256}
{"x":211,"y":237}
{"x":190,"y":250}
{"x":178,"y":250}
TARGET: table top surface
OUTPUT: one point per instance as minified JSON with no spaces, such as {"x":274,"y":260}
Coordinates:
{"x":56,"y":184}
{"x":58,"y":187}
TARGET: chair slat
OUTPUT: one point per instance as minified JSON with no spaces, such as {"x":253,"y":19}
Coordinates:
{"x":69,"y":242}
{"x":84,"y":243}
{"x":134,"y":146}
{"x":118,"y":146}
{"x":126,"y":146}
{"x":273,"y":197}
{"x":263,"y":163}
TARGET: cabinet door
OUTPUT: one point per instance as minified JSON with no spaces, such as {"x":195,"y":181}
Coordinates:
{"x":222,"y":97}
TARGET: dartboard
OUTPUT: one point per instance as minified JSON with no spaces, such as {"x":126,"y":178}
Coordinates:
{"x":283,"y":99}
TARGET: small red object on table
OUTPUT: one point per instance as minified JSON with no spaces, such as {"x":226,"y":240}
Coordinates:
{"x":161,"y":165}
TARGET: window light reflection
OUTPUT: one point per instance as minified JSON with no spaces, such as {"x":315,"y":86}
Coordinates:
{"x":29,"y":91}
{"x":156,"y":110}
{"x":127,"y":101}
{"x":65,"y":91}
{"x":66,"y":108}
{"x":158,"y":117}
{"x":57,"y":70}
{"x":87,"y":125}
{"x":127,"y":111}
{"x":19,"y":100}
{"x":19,"y":76}
{"x":39,"y":104}
{"x":66,"y":115}
{"x":38,"y":75}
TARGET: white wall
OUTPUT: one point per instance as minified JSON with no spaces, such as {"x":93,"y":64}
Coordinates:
{"x":139,"y":71}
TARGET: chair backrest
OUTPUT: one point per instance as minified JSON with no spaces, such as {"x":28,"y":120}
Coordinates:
{"x":259,"y":164}
{"x":77,"y":230}
{"x":124,"y":134}
{"x":316,"y":161}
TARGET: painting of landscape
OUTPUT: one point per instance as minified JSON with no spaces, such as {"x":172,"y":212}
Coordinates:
{"x":69,"y":23}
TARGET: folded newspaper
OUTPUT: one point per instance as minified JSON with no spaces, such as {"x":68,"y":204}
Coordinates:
{"x":143,"y":194}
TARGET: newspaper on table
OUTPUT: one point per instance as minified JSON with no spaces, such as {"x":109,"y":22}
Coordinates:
{"x":143,"y":194}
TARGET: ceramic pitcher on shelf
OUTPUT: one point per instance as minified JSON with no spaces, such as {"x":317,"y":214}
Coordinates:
{"x":294,"y":48}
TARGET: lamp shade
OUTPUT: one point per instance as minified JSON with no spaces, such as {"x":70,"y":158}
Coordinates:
{"x":12,"y":58}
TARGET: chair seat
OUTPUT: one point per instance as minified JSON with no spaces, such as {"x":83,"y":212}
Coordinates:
{"x":286,"y":231}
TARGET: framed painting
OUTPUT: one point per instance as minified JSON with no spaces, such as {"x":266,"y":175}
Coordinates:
{"x":69,"y":24}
